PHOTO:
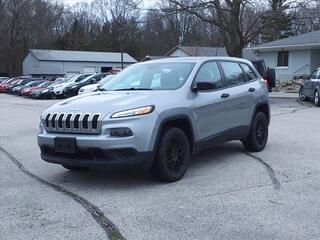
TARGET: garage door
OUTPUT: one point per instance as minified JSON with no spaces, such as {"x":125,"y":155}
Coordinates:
{"x":89,"y":69}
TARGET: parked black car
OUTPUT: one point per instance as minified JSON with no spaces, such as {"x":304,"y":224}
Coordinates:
{"x":310,"y":88}
{"x":266,"y":73}
{"x":17,"y":90}
{"x":72,"y":90}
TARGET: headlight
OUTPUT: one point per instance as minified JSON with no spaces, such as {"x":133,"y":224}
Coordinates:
{"x":133,"y":112}
{"x":41,"y":128}
{"x":46,"y":90}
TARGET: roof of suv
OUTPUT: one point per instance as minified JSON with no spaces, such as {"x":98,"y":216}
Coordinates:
{"x":195,"y":59}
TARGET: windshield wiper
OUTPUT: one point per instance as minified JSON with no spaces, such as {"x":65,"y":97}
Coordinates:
{"x":101,"y":90}
{"x":133,"y":89}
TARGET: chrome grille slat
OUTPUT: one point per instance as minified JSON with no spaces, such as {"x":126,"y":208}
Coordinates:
{"x":89,"y":123}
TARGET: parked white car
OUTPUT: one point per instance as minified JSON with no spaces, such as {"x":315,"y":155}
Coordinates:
{"x":58,"y":90}
{"x":94,"y":87}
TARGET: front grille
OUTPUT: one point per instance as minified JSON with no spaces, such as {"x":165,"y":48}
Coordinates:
{"x":89,"y":123}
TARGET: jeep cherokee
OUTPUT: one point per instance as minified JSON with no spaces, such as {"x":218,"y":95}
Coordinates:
{"x":159,"y":113}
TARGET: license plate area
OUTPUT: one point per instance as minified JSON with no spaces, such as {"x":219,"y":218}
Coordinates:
{"x":65,"y":145}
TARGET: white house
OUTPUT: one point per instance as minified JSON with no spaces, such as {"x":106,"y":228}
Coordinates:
{"x":53,"y":63}
{"x":293,"y":56}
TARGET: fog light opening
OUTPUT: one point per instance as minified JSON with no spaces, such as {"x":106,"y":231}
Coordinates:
{"x":120,"y":132}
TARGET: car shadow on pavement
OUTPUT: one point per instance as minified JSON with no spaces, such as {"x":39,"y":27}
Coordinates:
{"x":129,"y":177}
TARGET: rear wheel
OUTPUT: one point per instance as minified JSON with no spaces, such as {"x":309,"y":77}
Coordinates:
{"x":172,"y":156}
{"x":317,"y":98}
{"x":258,"y":135}
{"x":72,"y":168}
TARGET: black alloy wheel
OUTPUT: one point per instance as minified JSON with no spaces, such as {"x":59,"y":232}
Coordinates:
{"x":172,"y":157}
{"x":258,"y":136}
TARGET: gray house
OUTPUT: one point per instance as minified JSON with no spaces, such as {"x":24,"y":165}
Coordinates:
{"x":54,"y":63}
{"x":293,"y":56}
{"x":188,"y":51}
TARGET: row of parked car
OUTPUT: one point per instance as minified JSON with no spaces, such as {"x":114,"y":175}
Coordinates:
{"x":60,"y":88}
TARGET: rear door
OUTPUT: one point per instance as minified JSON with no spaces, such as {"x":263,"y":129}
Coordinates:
{"x":240,"y":88}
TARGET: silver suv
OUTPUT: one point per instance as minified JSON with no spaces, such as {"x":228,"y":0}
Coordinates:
{"x":158,"y":114}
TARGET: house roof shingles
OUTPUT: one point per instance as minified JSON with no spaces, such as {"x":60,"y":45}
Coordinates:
{"x":311,"y":38}
{"x":80,"y":56}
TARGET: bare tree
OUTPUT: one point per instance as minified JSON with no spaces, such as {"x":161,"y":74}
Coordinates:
{"x":237,"y":20}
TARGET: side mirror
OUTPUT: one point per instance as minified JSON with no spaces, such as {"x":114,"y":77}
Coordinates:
{"x":92,"y":81}
{"x":271,"y":77}
{"x":203,"y":86}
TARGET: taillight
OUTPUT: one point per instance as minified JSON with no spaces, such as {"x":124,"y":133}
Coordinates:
{"x":266,"y":82}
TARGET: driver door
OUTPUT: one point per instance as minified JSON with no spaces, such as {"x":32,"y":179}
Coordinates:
{"x":308,"y":84}
{"x":209,"y":107}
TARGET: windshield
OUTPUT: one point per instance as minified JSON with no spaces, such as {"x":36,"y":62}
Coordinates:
{"x":45,"y":84}
{"x":151,"y":76}
{"x":106,"y":79}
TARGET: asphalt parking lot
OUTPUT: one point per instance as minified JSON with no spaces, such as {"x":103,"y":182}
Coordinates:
{"x":226,"y":194}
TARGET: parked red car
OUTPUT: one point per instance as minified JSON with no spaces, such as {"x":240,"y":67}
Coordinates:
{"x":6,"y":84}
{"x":27,"y":91}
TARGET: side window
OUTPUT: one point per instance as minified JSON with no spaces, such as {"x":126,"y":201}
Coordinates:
{"x":248,"y":72}
{"x":209,"y":72}
{"x":233,"y":73}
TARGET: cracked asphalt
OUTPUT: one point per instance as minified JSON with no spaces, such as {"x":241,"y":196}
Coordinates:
{"x":227,"y":193}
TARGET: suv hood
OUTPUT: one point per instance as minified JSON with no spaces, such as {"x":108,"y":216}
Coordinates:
{"x":108,"y":102}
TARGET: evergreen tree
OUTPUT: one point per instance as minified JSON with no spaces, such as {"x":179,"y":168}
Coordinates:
{"x":282,"y":28}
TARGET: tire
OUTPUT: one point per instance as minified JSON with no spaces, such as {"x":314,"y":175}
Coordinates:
{"x":258,"y":135}
{"x":316,"y":98}
{"x":72,"y":168}
{"x":172,"y":156}
{"x":302,"y":95}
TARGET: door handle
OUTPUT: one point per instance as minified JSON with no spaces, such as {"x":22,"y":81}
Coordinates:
{"x":251,"y":89}
{"x":225,"y":95}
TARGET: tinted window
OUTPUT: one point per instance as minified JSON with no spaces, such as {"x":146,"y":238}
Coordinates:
{"x":283,"y":59}
{"x":209,"y":72}
{"x":248,"y":72}
{"x":233,"y":73}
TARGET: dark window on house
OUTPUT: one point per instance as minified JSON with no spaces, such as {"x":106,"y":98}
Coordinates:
{"x":283,"y":59}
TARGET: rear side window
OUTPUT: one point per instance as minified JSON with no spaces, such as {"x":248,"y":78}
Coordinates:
{"x":209,"y":72}
{"x":233,"y":73}
{"x":248,"y":72}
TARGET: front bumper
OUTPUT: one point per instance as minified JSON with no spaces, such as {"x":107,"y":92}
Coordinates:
{"x":92,"y":157}
{"x":103,"y":149}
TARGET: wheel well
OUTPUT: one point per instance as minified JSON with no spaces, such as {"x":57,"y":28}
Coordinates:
{"x":182,"y":123}
{"x":265,"y":109}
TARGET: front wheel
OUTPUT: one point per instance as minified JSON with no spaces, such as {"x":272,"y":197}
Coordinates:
{"x":172,"y":156}
{"x":317,"y":98}
{"x":302,"y":94}
{"x":258,"y":135}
